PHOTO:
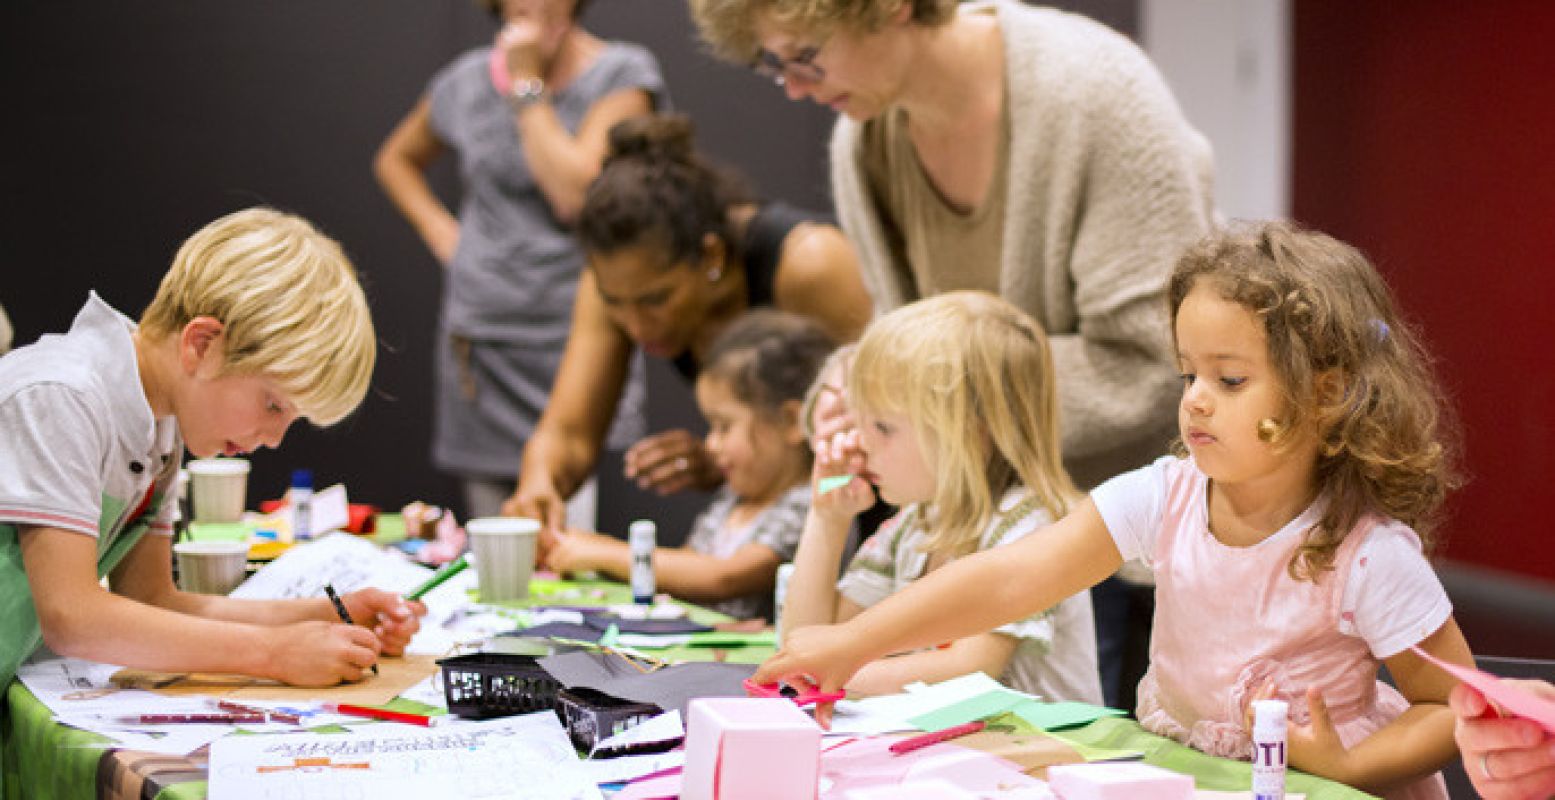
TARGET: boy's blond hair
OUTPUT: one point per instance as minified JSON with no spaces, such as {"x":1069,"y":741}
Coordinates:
{"x":289,"y":301}
{"x":974,"y":376}
{"x":729,"y":26}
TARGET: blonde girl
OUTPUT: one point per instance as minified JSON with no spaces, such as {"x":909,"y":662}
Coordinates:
{"x":1286,"y":540}
{"x":957,"y":425}
{"x":751,"y":392}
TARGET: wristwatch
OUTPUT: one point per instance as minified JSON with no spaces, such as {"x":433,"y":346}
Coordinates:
{"x":524,"y":93}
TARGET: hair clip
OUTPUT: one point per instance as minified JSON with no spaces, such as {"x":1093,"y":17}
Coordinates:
{"x":1381,"y":328}
{"x":782,"y":690}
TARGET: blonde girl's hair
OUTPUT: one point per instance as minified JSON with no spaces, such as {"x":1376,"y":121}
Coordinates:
{"x":1352,"y":369}
{"x":729,"y":26}
{"x":974,"y":376}
{"x":290,"y":304}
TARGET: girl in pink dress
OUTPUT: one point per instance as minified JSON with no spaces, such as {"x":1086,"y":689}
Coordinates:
{"x":1286,"y":536}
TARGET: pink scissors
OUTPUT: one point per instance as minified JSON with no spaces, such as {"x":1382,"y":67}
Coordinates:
{"x":802,"y":697}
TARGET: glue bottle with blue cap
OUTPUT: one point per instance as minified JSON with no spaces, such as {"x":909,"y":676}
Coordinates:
{"x":300,"y":498}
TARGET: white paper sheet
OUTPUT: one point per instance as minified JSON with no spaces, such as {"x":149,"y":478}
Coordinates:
{"x":662,"y":728}
{"x":626,"y":768}
{"x":517,"y":757}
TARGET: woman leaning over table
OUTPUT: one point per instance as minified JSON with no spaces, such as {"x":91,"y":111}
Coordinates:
{"x":1023,"y":151}
{"x":528,"y":119}
{"x":677,"y":250}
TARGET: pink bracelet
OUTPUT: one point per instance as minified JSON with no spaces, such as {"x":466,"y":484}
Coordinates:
{"x":498,"y":65}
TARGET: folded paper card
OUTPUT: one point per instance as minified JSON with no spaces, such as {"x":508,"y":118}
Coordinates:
{"x":750,"y":748}
{"x":1112,"y":781}
{"x":1509,"y":696}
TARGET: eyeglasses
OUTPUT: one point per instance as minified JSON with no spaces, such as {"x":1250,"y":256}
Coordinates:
{"x":781,"y":70}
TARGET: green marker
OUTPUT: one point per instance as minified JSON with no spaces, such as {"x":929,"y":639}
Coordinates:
{"x":449,"y":570}
{"x":833,"y":483}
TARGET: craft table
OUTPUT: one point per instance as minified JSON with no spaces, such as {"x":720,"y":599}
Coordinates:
{"x":44,"y":760}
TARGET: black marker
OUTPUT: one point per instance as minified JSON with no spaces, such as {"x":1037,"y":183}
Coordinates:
{"x":340,"y":608}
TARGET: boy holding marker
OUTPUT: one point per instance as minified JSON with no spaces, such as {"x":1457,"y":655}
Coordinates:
{"x":259,"y":321}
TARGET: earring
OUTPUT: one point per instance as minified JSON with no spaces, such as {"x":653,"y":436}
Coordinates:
{"x":714,"y":274}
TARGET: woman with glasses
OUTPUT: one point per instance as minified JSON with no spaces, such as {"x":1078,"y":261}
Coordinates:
{"x":676,"y":249}
{"x":527,"y":117}
{"x":1024,"y":151}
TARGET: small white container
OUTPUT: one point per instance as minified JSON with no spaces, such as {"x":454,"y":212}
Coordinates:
{"x":211,"y":567}
{"x":220,"y":488}
{"x":1269,"y":757}
{"x":504,"y":549}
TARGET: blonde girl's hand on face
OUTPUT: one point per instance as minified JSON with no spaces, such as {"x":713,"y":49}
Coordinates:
{"x":840,"y":456}
{"x":318,"y":653}
{"x":818,"y":657}
{"x":1506,"y":758}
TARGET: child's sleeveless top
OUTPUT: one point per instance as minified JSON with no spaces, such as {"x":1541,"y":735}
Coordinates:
{"x":1230,"y":619}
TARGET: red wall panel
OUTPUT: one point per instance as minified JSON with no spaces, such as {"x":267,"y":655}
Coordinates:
{"x":1425,"y":135}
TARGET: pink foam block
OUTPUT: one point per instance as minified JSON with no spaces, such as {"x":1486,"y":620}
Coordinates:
{"x":916,"y":790}
{"x":750,"y":748}
{"x":1108,"y":781}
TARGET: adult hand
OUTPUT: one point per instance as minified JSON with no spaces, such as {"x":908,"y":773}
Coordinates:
{"x":531,"y":37}
{"x":392,"y":619}
{"x":319,"y":653}
{"x":537,"y":498}
{"x":670,"y":462}
{"x":818,"y":656}
{"x":442,"y":238}
{"x":1507,"y":758}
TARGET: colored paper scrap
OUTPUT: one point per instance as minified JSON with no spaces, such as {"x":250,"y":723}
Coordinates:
{"x":1050,"y":716}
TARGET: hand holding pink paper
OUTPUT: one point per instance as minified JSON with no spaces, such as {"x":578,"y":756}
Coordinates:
{"x":1510,"y":698}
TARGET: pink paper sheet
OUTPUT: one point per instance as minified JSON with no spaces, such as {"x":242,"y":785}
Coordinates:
{"x":1510,"y":698}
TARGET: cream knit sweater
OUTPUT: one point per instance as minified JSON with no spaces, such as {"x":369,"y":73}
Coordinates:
{"x":1108,"y":184}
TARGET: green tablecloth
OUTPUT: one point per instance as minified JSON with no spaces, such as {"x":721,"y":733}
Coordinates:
{"x":53,"y":761}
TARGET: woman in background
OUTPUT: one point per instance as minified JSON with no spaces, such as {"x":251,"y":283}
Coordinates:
{"x":677,"y":249}
{"x":528,"y":119}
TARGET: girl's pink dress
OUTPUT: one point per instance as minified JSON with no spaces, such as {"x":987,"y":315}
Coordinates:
{"x":1230,"y":619}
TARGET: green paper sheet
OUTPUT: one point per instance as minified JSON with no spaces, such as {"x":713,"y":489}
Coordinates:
{"x":973,"y":708}
{"x":1049,"y":716}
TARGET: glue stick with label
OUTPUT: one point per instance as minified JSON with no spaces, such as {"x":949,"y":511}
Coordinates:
{"x":642,"y":537}
{"x":1269,"y":725}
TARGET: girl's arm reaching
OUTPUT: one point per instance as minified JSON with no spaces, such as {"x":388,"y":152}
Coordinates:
{"x":681,"y":571}
{"x":971,"y":595}
{"x":1413,"y":746}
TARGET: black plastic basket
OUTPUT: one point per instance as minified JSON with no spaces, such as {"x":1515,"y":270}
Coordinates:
{"x":482,"y":685}
{"x":591,"y":716}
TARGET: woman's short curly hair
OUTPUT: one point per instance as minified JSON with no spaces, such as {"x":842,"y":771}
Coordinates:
{"x":729,"y":26}
{"x":1353,"y":370}
{"x":494,"y":8}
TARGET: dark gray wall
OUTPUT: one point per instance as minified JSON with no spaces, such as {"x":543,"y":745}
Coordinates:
{"x":130,"y":125}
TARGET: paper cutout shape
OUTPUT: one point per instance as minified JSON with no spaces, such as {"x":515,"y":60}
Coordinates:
{"x":1509,"y":697}
{"x":1052,"y":716}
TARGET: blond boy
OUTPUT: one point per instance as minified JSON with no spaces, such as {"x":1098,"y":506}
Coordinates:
{"x":259,"y":321}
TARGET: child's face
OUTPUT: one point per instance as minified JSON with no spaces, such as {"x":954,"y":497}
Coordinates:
{"x":896,"y":462}
{"x":232,"y":414}
{"x":752,"y":450}
{"x":1229,"y":387}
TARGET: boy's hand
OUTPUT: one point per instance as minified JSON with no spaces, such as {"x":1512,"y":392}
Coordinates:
{"x":392,"y":619}
{"x":670,"y":462}
{"x":320,"y":653}
{"x":818,"y":656}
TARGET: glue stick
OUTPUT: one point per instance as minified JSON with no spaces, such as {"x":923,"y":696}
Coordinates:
{"x":301,"y":499}
{"x":642,"y":537}
{"x":1269,"y":749}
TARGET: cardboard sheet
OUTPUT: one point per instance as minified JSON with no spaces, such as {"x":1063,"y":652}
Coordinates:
{"x":395,"y":676}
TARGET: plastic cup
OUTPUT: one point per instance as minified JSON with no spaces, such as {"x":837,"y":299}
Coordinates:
{"x":211,"y":567}
{"x":504,"y":556}
{"x":220,"y":488}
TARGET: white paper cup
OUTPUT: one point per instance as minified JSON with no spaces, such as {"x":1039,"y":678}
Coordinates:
{"x":211,"y":567}
{"x":504,"y":556}
{"x":220,"y":488}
